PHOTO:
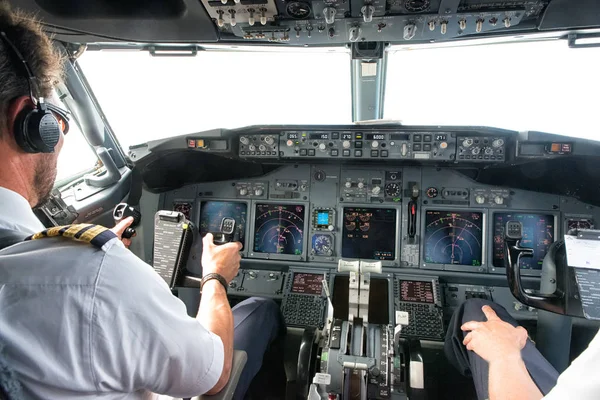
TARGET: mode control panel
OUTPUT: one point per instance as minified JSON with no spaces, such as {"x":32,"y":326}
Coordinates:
{"x":368,"y":145}
{"x":260,"y":146}
{"x":481,"y":148}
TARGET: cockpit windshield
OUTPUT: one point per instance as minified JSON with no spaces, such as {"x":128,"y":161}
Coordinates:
{"x":538,"y":85}
{"x":218,"y":88}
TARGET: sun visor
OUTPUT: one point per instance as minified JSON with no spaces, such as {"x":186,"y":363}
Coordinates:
{"x":152,"y":21}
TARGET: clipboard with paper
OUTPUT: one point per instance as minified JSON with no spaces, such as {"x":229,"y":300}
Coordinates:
{"x":583,"y":256}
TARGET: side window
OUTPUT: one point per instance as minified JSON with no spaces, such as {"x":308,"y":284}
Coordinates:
{"x":76,"y":156}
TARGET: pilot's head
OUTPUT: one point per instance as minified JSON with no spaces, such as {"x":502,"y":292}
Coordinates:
{"x":28,"y":173}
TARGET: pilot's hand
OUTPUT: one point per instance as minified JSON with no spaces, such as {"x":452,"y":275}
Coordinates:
{"x":120,"y":228}
{"x":494,"y":340}
{"x":223,"y":260}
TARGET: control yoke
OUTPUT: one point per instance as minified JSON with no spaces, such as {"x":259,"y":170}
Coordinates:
{"x":513,"y":252}
{"x":230,"y":232}
{"x":123,"y":211}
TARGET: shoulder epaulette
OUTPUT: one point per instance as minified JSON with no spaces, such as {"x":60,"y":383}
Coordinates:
{"x":96,"y":235}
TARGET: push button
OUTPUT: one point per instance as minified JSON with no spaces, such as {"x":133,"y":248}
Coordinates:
{"x":374,"y":153}
{"x":384,"y":153}
{"x":346,"y":153}
{"x":302,"y":152}
{"x":334,"y":153}
{"x":358,"y":145}
{"x":416,"y":147}
{"x":426,"y":147}
{"x":311,"y":152}
{"x":357,"y":153}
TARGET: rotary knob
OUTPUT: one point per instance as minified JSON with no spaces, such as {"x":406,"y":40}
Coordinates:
{"x":348,"y":184}
{"x":252,"y":147}
{"x":290,"y":143}
{"x":262,"y":147}
{"x":376,"y":190}
{"x":244,"y":140}
{"x":269,"y":140}
{"x":346,"y":144}
{"x":374,"y":144}
{"x":258,"y":192}
{"x":323,"y":147}
{"x":361,"y":185}
{"x":499,"y":200}
{"x":479,"y":199}
{"x":243,"y":191}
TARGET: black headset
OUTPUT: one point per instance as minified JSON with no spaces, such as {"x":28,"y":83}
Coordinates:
{"x":37,"y":130}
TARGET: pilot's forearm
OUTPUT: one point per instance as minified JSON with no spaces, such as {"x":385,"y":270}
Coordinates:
{"x":509,"y":379}
{"x":215,"y":314}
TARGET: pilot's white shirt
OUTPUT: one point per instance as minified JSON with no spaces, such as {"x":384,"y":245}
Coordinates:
{"x":78,"y":322}
{"x":580,"y":381}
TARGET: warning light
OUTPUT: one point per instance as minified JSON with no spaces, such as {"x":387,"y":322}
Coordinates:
{"x":555,"y":148}
{"x":191,"y":143}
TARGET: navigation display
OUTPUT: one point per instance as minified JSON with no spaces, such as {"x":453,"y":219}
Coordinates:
{"x":307,"y":283}
{"x":538,"y":234}
{"x":416,"y":291}
{"x":279,"y":229}
{"x":369,"y":233}
{"x":213,"y":212}
{"x":453,"y":237}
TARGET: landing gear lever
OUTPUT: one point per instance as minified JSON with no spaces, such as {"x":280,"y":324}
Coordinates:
{"x":124,"y":210}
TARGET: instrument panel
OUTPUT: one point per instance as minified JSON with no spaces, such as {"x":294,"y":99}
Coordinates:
{"x":408,"y":217}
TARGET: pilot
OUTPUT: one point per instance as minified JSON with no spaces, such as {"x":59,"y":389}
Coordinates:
{"x":80,"y":321}
{"x":485,"y":342}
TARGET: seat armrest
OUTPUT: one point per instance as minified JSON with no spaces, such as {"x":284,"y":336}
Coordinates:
{"x":239,"y":361}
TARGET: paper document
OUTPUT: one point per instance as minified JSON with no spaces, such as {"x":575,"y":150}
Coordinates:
{"x":582,"y":253}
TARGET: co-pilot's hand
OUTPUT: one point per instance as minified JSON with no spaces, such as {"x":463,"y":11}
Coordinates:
{"x":494,"y":340}
{"x":120,"y":228}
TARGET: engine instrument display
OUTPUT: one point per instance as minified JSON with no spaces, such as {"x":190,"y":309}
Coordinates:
{"x":369,"y":233}
{"x":279,"y":229}
{"x":213,"y":212}
{"x":416,"y":291}
{"x":305,"y":283}
{"x":453,"y":237}
{"x":538,"y":234}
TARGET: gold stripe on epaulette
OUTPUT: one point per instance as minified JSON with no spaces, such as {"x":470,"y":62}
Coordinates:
{"x":96,"y":235}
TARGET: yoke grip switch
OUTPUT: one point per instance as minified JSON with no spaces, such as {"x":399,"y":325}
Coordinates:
{"x":123,"y":211}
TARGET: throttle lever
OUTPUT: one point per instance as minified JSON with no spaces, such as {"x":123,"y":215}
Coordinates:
{"x":123,"y":211}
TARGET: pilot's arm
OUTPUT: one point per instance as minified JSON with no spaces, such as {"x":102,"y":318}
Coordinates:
{"x":141,"y":337}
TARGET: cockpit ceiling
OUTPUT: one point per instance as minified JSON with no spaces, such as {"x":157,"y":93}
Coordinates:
{"x":305,"y":22}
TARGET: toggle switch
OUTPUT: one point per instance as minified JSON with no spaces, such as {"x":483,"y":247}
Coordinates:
{"x":251,"y":19}
{"x":444,"y":27}
{"x":233,"y":22}
{"x":263,"y":16}
{"x":479,"y":26}
{"x":220,"y":20}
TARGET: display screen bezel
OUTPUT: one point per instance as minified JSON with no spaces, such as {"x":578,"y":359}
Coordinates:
{"x":396,"y":231}
{"x":454,"y":267}
{"x":529,"y":272}
{"x":276,"y":256}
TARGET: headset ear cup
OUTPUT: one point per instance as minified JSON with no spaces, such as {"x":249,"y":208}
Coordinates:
{"x":20,"y":128}
{"x":37,"y":131}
